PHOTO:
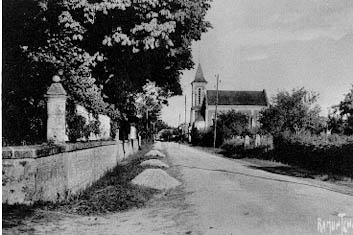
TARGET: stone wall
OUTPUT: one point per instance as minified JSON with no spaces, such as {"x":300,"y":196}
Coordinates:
{"x":50,"y":173}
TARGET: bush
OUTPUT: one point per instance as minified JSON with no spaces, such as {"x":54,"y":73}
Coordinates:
{"x":75,"y":124}
{"x":234,"y":123}
{"x":327,"y":154}
{"x":233,"y":146}
{"x":166,"y":134}
{"x":78,"y":128}
{"x":114,"y":127}
{"x":91,"y":127}
{"x":206,"y":137}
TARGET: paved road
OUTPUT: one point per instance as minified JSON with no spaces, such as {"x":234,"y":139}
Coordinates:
{"x":218,"y":196}
{"x":228,"y":197}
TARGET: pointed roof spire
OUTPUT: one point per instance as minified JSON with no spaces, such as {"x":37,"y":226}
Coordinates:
{"x":199,"y":75}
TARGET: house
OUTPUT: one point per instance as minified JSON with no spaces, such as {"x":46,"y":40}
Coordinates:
{"x":203,"y":102}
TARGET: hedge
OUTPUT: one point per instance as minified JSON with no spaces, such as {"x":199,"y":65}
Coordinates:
{"x":326,"y":154}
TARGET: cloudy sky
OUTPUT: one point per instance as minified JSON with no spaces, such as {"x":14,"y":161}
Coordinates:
{"x":274,"y":45}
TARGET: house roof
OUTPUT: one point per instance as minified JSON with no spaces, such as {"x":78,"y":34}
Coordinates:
{"x":199,"y":75}
{"x":237,"y":97}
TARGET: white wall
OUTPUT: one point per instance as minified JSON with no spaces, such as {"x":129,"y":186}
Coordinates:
{"x":252,"y":110}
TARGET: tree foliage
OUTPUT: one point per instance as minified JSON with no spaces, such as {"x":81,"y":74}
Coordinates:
{"x":293,"y":111}
{"x":341,"y":119}
{"x":148,"y":105}
{"x":108,"y":50}
{"x":160,"y":125}
{"x":234,"y":123}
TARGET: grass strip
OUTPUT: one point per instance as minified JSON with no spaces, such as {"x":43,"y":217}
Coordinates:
{"x":112,"y":193}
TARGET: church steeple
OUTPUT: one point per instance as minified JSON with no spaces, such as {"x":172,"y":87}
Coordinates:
{"x":199,"y":75}
{"x":198,"y":95}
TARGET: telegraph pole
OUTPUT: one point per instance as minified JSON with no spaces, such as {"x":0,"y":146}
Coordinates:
{"x":185,"y":111}
{"x":215,"y":122}
{"x":179,"y":120}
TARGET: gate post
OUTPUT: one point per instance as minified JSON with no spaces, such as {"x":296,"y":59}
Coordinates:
{"x":56,"y":109}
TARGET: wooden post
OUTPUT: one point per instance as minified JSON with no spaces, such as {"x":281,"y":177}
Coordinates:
{"x":215,"y":122}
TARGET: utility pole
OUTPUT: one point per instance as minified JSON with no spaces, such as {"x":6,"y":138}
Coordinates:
{"x":185,"y":111}
{"x":179,"y":120}
{"x":147,"y":129}
{"x":215,"y":120}
{"x":146,"y":119}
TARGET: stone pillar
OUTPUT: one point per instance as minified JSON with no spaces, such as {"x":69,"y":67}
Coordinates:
{"x":117,"y":134}
{"x":56,"y":109}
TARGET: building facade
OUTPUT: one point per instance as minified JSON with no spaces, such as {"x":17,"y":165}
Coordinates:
{"x":204,"y":102}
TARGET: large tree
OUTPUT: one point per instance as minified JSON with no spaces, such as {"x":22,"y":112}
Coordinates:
{"x":108,"y":50}
{"x":292,"y":111}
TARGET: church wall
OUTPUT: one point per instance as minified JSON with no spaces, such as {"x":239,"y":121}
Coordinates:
{"x":198,"y":100}
{"x":252,"y":110}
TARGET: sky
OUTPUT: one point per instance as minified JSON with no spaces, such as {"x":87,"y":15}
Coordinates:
{"x":274,"y":45}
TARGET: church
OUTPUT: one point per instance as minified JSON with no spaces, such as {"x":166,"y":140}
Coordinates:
{"x":203,"y":102}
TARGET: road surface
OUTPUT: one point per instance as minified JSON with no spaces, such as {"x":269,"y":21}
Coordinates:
{"x":231,"y":198}
{"x":219,"y":196}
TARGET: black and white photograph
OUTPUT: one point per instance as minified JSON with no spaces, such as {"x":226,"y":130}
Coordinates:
{"x":166,"y":117}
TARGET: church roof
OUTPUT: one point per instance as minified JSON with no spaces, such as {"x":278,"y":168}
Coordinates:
{"x":237,"y":97}
{"x":199,"y":75}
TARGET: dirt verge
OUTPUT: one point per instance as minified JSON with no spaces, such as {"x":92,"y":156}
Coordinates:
{"x":112,"y":193}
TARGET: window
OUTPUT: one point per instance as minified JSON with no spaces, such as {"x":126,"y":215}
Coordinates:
{"x":199,"y":95}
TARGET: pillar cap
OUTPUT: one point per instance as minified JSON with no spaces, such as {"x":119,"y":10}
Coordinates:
{"x":56,"y":78}
{"x":56,"y":89}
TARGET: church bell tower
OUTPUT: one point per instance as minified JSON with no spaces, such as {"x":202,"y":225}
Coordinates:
{"x":198,"y":94}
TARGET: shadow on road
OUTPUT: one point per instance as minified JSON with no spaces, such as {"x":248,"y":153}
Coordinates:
{"x":286,"y":170}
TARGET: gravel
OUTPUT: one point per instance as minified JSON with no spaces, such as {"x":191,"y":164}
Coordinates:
{"x":155,"y":179}
{"x":155,"y":153}
{"x":157,"y":146}
{"x":154,"y":163}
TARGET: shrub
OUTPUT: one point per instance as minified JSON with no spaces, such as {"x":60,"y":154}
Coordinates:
{"x":234,"y":123}
{"x":166,"y":134}
{"x":91,"y":127}
{"x":114,"y":127}
{"x":205,"y":137}
{"x":78,"y":128}
{"x":233,"y":146}
{"x":75,"y":124}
